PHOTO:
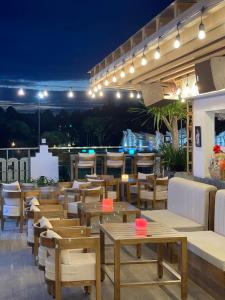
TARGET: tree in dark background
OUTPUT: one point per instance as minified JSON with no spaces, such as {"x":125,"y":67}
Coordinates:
{"x":97,"y":126}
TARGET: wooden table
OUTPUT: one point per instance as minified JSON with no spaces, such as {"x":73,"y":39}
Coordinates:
{"x":86,"y":211}
{"x":125,"y":234}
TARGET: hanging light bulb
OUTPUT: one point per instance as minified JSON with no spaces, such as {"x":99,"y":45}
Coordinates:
{"x":41,"y":95}
{"x":201,"y":30}
{"x":177,"y":42}
{"x":131,"y":95}
{"x":118,"y":95}
{"x":93,"y":96}
{"x":21,"y":92}
{"x":99,"y":87}
{"x":183,"y":100}
{"x":95,"y":89}
{"x":138,"y":95}
{"x":186,"y":90}
{"x":195,"y":90}
{"x":132,"y":68}
{"x":157,"y":53}
{"x":179,"y":91}
{"x":70,"y":94}
{"x":144,"y":60}
{"x":114,"y":79}
{"x":122,"y":73}
{"x":101,"y":94}
{"x":90,"y":92}
{"x":45,"y":93}
{"x":106,"y":82}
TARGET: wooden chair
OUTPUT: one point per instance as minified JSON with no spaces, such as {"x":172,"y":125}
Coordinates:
{"x":12,"y":206}
{"x":115,"y":160}
{"x":112,"y":189}
{"x":156,"y":189}
{"x":144,"y":160}
{"x":85,"y":161}
{"x":86,"y":274}
{"x":59,"y":223}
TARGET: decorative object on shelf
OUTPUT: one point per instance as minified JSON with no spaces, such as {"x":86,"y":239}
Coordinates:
{"x":198,"y":136}
{"x":217,"y":163}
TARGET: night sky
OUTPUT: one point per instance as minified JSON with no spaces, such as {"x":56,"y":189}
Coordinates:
{"x":56,"y":42}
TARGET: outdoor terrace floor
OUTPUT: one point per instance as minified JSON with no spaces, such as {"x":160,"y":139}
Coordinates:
{"x":22,"y":280}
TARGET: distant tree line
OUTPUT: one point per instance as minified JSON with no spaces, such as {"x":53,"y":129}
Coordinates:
{"x":97,"y":126}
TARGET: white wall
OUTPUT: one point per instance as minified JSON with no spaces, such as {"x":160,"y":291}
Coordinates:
{"x":44,"y":164}
{"x":204,"y":108}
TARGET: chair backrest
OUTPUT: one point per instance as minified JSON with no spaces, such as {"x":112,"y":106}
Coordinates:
{"x":92,"y":195}
{"x":148,"y":158}
{"x":115,"y":156}
{"x":219,"y":221}
{"x":190,"y":199}
{"x":12,"y":198}
{"x":112,"y":185}
{"x":13,"y":186}
{"x":49,"y":214}
{"x":86,"y":157}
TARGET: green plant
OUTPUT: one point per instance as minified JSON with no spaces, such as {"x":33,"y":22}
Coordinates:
{"x":173,"y":159}
{"x":44,"y":181}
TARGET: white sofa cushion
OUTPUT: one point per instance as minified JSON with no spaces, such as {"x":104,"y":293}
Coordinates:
{"x":81,"y":267}
{"x":13,"y":186}
{"x":172,"y":220}
{"x":45,"y":223}
{"x":11,"y":211}
{"x":34,"y":201}
{"x":34,"y":208}
{"x":219,"y":226}
{"x":42,"y":255}
{"x":189,"y":199}
{"x":208,"y":245}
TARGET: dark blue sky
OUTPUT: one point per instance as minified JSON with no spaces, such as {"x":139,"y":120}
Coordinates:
{"x":54,"y":40}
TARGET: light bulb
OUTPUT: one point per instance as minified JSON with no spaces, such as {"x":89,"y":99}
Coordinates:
{"x":186,"y":91}
{"x":144,"y":60}
{"x":41,"y":95}
{"x":178,"y":92}
{"x":90,"y":92}
{"x":122,"y":73}
{"x":93,"y":96}
{"x":195,"y":90}
{"x":45,"y":93}
{"x":99,"y":86}
{"x":201,"y":31}
{"x":138,"y":95}
{"x":95,"y":89}
{"x":177,"y":42}
{"x":114,"y":79}
{"x":132,"y":68}
{"x":131,"y":95}
{"x":70,"y":94}
{"x":157,"y":53}
{"x":118,"y":95}
{"x":106,"y":82}
{"x":183,"y":100}
{"x":101,"y":94}
{"x":21,"y":92}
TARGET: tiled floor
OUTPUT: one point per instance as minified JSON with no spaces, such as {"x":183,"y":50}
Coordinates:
{"x":22,"y":280}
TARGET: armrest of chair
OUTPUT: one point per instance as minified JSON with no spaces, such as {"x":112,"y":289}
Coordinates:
{"x":78,"y":243}
{"x":65,"y":223}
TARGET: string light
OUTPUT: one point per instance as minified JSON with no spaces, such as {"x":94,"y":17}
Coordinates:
{"x":45,"y":93}
{"x":131,"y":95}
{"x":93,"y":96}
{"x":201,"y":31}
{"x":90,"y":92}
{"x":144,"y":60}
{"x":138,"y":95}
{"x":95,"y":89}
{"x":118,"y":95}
{"x":41,"y":95}
{"x":21,"y":92}
{"x":114,"y":79}
{"x":122,"y":73}
{"x":106,"y":82}
{"x":132,"y":68}
{"x":99,"y":86}
{"x":157,"y":53}
{"x":177,"y":42}
{"x":186,"y":90}
{"x":70,"y":94}
{"x":101,"y":94}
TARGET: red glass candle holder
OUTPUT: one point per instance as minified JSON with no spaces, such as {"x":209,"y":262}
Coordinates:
{"x":107,"y":203}
{"x":141,"y":226}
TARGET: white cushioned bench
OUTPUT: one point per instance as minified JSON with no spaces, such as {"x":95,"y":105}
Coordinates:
{"x":188,"y":206}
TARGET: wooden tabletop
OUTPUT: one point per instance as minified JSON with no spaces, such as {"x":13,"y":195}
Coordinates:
{"x":118,"y":207}
{"x":126,"y":233}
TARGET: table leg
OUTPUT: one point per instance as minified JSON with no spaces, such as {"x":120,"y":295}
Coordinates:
{"x":184,"y":269}
{"x":125,"y":218}
{"x":102,"y":253}
{"x":160,"y":260}
{"x":117,"y":271}
{"x":138,"y":250}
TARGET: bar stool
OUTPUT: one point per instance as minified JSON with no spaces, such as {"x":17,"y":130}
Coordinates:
{"x":85,"y":161}
{"x":144,"y":160}
{"x":115,"y":160}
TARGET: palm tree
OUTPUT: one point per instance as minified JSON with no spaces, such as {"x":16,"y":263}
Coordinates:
{"x":168,"y":114}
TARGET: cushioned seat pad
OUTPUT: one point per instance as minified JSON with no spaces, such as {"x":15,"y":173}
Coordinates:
{"x":208,"y":245}
{"x":172,"y":220}
{"x":82,"y":267}
{"x":11,"y":211}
